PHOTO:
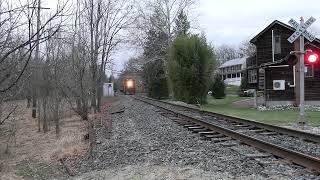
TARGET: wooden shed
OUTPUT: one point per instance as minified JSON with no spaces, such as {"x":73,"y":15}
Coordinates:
{"x":268,"y":71}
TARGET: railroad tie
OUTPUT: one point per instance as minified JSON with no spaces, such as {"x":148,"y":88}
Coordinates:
{"x":258,"y":155}
{"x":207,"y":133}
{"x":269,"y":133}
{"x":181,"y":122}
{"x":257,"y":130}
{"x":199,"y":130}
{"x":188,"y":125}
{"x":194,"y":127}
{"x":175,"y":118}
{"x":217,"y":140}
{"x":242,"y":125}
{"x":228,"y":144}
{"x":210,"y":137}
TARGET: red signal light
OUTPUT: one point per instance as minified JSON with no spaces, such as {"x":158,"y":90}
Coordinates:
{"x":312,"y":58}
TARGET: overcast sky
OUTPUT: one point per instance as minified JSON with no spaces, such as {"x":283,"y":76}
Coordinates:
{"x":233,"y":21}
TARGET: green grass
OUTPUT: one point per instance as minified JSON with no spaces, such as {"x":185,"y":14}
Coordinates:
{"x":230,"y":89}
{"x":225,"y":106}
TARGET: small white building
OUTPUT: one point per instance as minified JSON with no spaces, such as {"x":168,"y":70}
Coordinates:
{"x":108,"y":89}
{"x":232,"y":71}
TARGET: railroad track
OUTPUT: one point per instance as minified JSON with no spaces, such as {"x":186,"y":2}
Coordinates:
{"x":295,"y":146}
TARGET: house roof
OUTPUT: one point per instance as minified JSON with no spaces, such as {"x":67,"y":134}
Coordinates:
{"x":254,"y":39}
{"x":233,"y":62}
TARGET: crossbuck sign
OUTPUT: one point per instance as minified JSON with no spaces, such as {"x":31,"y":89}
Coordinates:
{"x":301,"y":29}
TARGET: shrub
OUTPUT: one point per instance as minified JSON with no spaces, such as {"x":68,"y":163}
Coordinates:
{"x":158,"y":88}
{"x":191,"y":62}
{"x":243,"y":86}
{"x":156,"y":82}
{"x":218,"y":87}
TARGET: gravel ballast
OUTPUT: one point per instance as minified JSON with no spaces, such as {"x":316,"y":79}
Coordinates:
{"x":144,"y":144}
{"x":283,"y":140}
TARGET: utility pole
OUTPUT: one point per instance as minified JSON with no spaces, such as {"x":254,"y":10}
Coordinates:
{"x":36,"y":90}
{"x":34,"y":99}
{"x":37,"y":61}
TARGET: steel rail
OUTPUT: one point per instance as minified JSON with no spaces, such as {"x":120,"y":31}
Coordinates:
{"x":299,"y":158}
{"x":281,"y":130}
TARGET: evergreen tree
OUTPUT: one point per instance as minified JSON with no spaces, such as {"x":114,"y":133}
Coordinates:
{"x":218,"y":87}
{"x":154,"y":71}
{"x":156,"y":82}
{"x":111,"y":79}
{"x":244,"y":82}
{"x":243,"y":85}
{"x":191,"y":61}
{"x":182,"y":25}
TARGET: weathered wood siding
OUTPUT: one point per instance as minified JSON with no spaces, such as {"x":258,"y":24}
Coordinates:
{"x":264,"y":44}
{"x":279,"y":73}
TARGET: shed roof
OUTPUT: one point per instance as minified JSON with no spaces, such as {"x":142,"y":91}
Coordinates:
{"x":234,"y":62}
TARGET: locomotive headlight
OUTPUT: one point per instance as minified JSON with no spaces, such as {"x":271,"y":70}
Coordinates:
{"x":129,"y":83}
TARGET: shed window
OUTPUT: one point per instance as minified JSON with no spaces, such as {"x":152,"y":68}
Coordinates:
{"x":309,"y":72}
{"x":252,"y":76}
{"x":277,"y":44}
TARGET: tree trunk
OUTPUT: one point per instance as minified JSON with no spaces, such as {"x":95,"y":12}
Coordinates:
{"x":84,"y":113}
{"x":56,"y":117}
{"x":84,"y":107}
{"x":39,"y":116}
{"x":34,"y":106}
{"x":99,"y":94}
{"x":93,"y":92}
{"x":78,"y":102}
{"x":28,"y":101}
{"x":45,"y":118}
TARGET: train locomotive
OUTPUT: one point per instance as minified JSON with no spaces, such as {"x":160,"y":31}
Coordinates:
{"x":129,"y":86}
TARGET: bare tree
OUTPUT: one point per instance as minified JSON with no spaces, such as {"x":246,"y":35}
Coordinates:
{"x":158,"y":18}
{"x":226,"y":52}
{"x":247,"y":49}
{"x":107,"y":20}
{"x":16,"y":48}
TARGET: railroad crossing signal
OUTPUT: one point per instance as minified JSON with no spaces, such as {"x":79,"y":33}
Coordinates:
{"x":312,"y":58}
{"x":301,"y":29}
{"x":301,"y":32}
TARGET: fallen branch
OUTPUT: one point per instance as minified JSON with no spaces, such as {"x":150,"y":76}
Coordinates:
{"x":68,"y":169}
{"x":116,"y":112}
{"x":7,"y":117}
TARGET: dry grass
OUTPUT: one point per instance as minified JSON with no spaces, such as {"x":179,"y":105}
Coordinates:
{"x":37,"y":146}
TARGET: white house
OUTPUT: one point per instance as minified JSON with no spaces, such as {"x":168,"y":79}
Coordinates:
{"x":232,"y":71}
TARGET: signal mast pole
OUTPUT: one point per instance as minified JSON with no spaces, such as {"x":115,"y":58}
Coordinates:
{"x":302,"y":119}
{"x":301,"y":32}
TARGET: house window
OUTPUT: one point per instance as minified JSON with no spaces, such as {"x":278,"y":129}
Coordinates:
{"x":309,"y":70}
{"x":252,"y":76}
{"x":277,"y":44}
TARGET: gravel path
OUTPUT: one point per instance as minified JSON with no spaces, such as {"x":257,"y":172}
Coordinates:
{"x":145,"y":145}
